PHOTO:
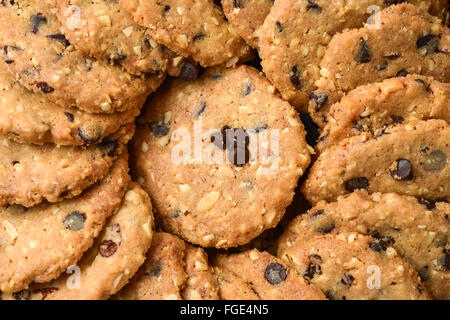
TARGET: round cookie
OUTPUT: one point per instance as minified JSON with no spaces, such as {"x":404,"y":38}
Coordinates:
{"x":117,"y":254}
{"x":196,"y":29}
{"x":29,"y":117}
{"x":267,"y":276}
{"x":173,"y":270}
{"x":416,"y":229}
{"x":105,"y":30}
{"x":247,"y":17}
{"x":374,"y":107}
{"x":36,"y":52}
{"x":234,"y":183}
{"x":38,"y":244}
{"x":31,"y":174}
{"x":411,"y":159}
{"x":349,"y":266}
{"x":231,"y":287}
{"x":296,"y":34}
{"x":402,"y":39}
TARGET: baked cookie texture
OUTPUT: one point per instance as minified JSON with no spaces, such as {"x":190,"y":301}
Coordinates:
{"x":174,"y":270}
{"x":105,"y":30}
{"x":105,"y":268}
{"x":31,"y":174}
{"x":375,"y":107}
{"x":196,"y":29}
{"x":29,"y":117}
{"x":296,"y":35}
{"x":410,"y":159}
{"x":349,"y":266}
{"x":239,"y":181}
{"x":38,"y":244}
{"x":268,"y":277}
{"x":414,"y":229}
{"x":247,"y":17}
{"x":41,"y":58}
{"x":402,"y":39}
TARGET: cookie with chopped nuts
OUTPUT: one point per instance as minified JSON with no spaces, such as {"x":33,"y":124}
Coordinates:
{"x":268,"y":277}
{"x":196,"y":29}
{"x":247,"y":17}
{"x":410,"y":159}
{"x":105,"y":30}
{"x":38,"y":54}
{"x":401,"y":39}
{"x":296,"y":34}
{"x":373,"y":108}
{"x":416,"y":229}
{"x":117,"y":254}
{"x":38,"y":244}
{"x":220,"y":156}
{"x":174,"y":270}
{"x":30,"y":174}
{"x":350,"y":266}
{"x":29,"y":117}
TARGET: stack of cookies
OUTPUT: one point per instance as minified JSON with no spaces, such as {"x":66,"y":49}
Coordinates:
{"x":288,"y":149}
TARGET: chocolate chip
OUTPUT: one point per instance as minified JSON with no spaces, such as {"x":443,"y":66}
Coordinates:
{"x":436,"y":161}
{"x":21,"y":295}
{"x":44,"y":291}
{"x":219,"y":138}
{"x":36,"y":21}
{"x":319,"y":99}
{"x":295,"y":76}
{"x":429,"y":204}
{"x":247,"y":90}
{"x":198,"y":37}
{"x":347,"y":279}
{"x":444,"y":260}
{"x":160,"y":129}
{"x":216,"y":76}
{"x":402,"y":74}
{"x":391,"y":2}
{"x":260,"y":128}
{"x":188,"y":72}
{"x":60,"y":38}
{"x":313,"y":6}
{"x":279,"y":26}
{"x":200,"y":111}
{"x":402,"y":170}
{"x":356,"y":183}
{"x":237,"y":142}
{"x":238,"y":4}
{"x":175,"y":214}
{"x":423,"y":274}
{"x":88,"y":140}
{"x":377,"y":246}
{"x":397,"y":119}
{"x":239,"y":156}
{"x":69,"y":116}
{"x":429,"y":42}
{"x":420,"y":81}
{"x":166,"y":9}
{"x":8,"y":61}
{"x":109,"y":148}
{"x":363,"y":55}
{"x":275,"y":273}
{"x":155,"y":269}
{"x":107,"y":248}
{"x":326,"y":227}
{"x":44,"y":87}
{"x":317,"y":213}
{"x":117,"y":59}
{"x":313,"y":267}
{"x":74,"y":221}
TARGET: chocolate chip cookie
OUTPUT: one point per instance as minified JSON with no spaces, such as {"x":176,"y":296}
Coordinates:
{"x":105,"y":30}
{"x":38,"y":244}
{"x":374,"y":107}
{"x":29,"y":117}
{"x":267,"y":276}
{"x":39,"y":55}
{"x":401,"y":39}
{"x":174,"y":270}
{"x":196,"y":29}
{"x":231,"y":287}
{"x":247,"y":17}
{"x":410,"y":159}
{"x":248,"y":153}
{"x":31,"y":174}
{"x":117,"y":254}
{"x":350,"y":266}
{"x":416,"y":229}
